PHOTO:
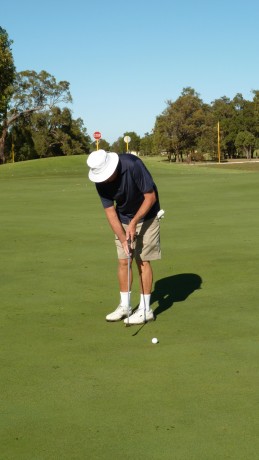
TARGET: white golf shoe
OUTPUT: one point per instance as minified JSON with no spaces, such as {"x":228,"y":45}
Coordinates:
{"x":118,"y":314}
{"x":140,"y":316}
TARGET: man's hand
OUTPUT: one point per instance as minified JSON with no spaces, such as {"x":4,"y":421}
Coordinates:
{"x":126,"y":248}
{"x":149,"y":200}
{"x":131,"y":232}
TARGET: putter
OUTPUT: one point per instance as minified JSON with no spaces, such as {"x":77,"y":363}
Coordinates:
{"x":129,"y":257}
{"x":145,"y":321}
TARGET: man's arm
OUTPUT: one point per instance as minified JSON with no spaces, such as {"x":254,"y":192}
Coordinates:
{"x":117,"y":227}
{"x":149,"y":201}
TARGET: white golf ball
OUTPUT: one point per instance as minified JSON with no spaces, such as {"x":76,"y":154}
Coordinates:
{"x":154,"y":340}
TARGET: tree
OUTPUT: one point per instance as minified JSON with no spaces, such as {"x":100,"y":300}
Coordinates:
{"x":49,"y":133}
{"x":235,"y":116}
{"x":224,"y":112}
{"x":256,"y":111}
{"x":7,"y":74}
{"x":32,"y":92}
{"x":207,"y":142}
{"x":146,"y":144}
{"x":245,"y":114}
{"x":163,"y":137}
{"x":21,"y":137}
{"x":179,"y":127}
{"x":120,"y":145}
{"x":7,"y":70}
{"x":134,"y":144}
{"x":102,"y":144}
{"x":246,"y":142}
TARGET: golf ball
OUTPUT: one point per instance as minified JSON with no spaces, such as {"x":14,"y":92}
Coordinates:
{"x":154,"y":340}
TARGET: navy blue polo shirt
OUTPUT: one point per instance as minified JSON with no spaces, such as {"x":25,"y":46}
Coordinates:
{"x":127,"y":190}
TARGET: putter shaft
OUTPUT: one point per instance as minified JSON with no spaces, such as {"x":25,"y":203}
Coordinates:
{"x":129,"y":260}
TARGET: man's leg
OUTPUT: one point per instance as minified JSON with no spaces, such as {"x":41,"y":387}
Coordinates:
{"x":143,"y":312}
{"x":147,"y":249}
{"x":145,"y":276}
{"x":146,"y":280}
{"x":124,"y":308}
{"x":123,"y":275}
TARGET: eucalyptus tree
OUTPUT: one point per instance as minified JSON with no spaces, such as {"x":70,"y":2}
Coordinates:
{"x":120,"y":145}
{"x":246,"y":142}
{"x":224,"y":113}
{"x":163,"y":137}
{"x":207,"y":142}
{"x":178,"y":129}
{"x":32,"y":92}
{"x":236,"y":116}
{"x":256,"y":112}
{"x":134,"y":144}
{"x":244,"y":119}
{"x":50,"y":133}
{"x":102,"y":144}
{"x":7,"y":75}
{"x":146,"y":144}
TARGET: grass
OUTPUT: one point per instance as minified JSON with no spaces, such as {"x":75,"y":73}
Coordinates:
{"x":76,"y":387}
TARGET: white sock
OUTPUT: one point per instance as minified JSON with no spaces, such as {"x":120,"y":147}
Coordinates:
{"x":145,"y":301}
{"x":125,"y":298}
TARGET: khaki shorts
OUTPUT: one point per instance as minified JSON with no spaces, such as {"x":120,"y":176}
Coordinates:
{"x":147,"y":243}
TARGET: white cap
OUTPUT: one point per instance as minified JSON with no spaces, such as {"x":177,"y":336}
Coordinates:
{"x":102,"y":165}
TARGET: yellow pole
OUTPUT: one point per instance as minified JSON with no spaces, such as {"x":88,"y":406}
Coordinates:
{"x":218,"y":143}
{"x":127,"y":144}
{"x":97,"y":144}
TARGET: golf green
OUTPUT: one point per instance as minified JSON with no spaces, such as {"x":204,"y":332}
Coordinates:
{"x":76,"y":387}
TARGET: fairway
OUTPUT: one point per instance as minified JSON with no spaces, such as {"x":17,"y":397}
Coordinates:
{"x":74,"y":387}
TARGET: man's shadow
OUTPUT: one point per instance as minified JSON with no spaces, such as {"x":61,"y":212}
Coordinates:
{"x":175,"y":288}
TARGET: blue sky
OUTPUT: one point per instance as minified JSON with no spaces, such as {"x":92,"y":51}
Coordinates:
{"x":125,"y":60}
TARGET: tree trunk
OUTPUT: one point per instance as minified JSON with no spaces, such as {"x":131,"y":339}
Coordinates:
{"x":248,"y":153}
{"x":2,"y":145}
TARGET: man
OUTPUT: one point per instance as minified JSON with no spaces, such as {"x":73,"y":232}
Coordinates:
{"x":131,"y":203}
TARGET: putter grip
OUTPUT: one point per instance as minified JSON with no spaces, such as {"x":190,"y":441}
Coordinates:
{"x":129,"y":245}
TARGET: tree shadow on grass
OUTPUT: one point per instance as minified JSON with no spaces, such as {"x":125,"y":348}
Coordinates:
{"x":175,"y":288}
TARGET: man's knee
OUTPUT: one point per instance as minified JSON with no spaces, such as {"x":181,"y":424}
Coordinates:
{"x":143,"y":265}
{"x":123,"y":263}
